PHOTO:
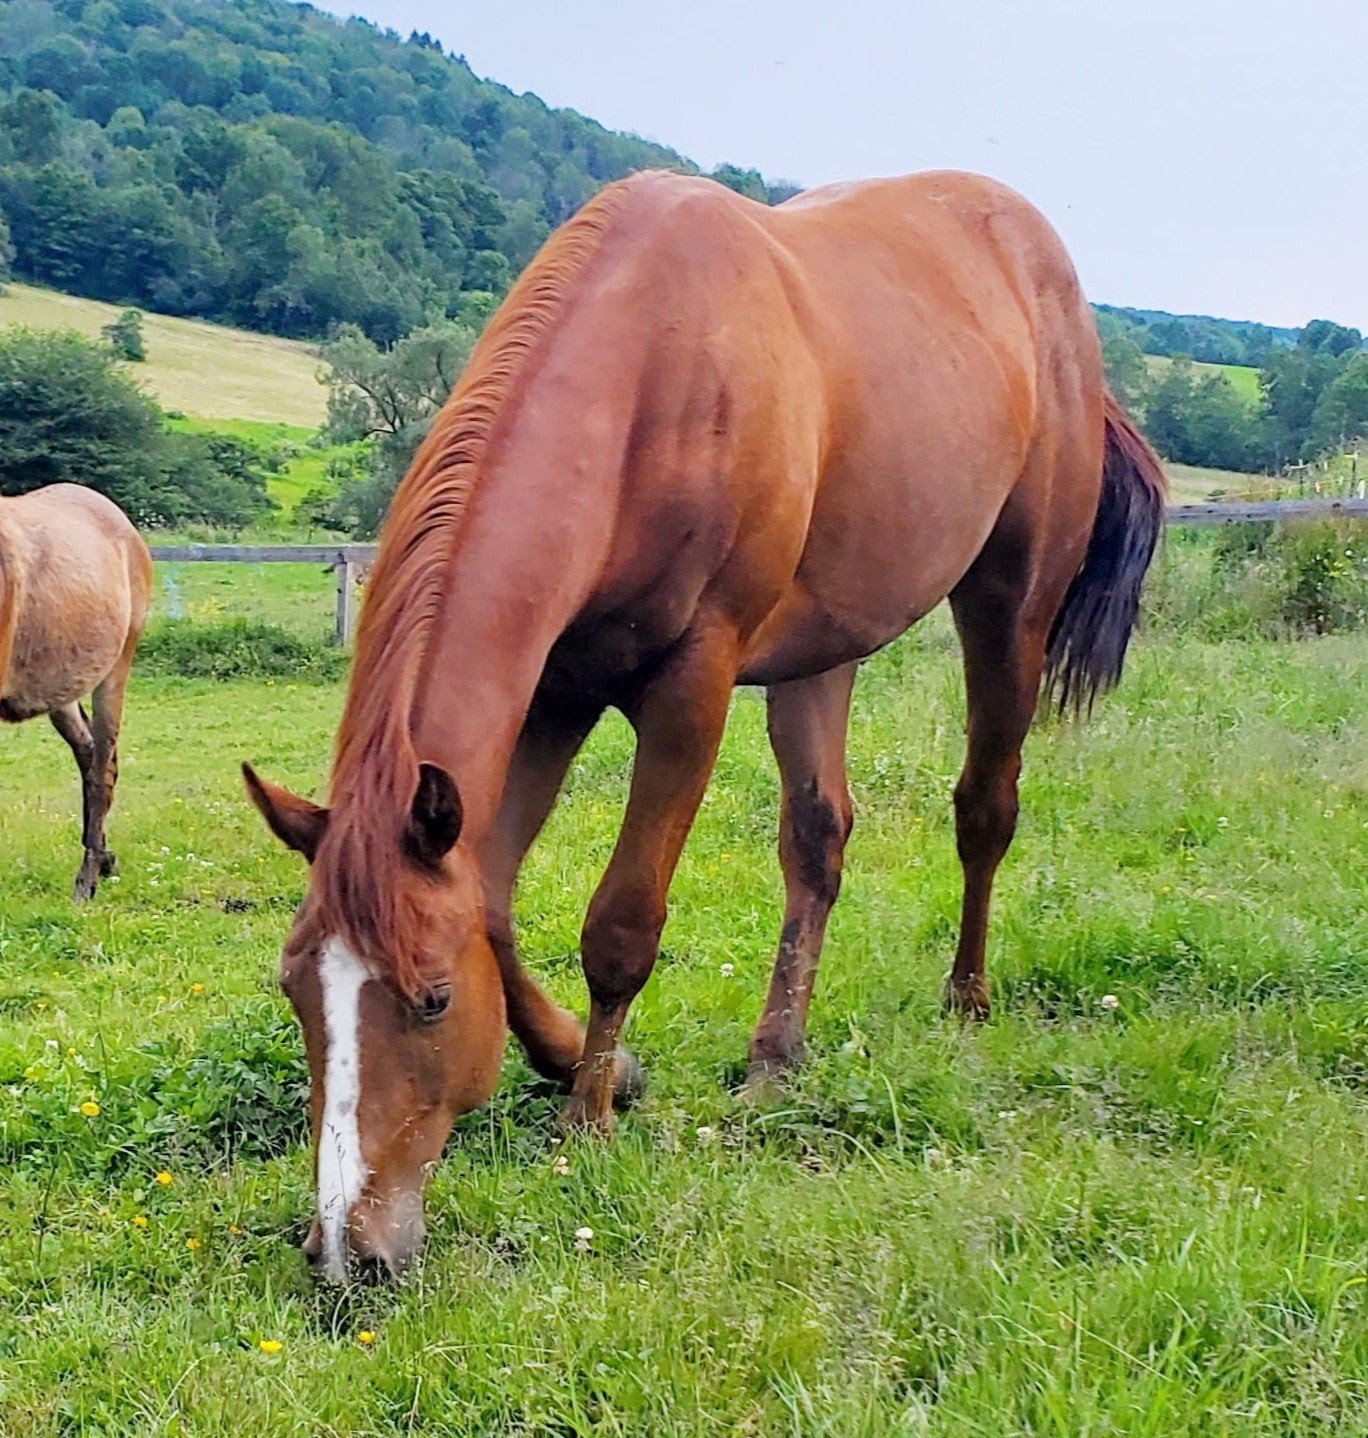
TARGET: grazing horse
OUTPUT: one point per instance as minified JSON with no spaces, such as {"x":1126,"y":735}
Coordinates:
{"x":702,"y":443}
{"x":75,"y":583}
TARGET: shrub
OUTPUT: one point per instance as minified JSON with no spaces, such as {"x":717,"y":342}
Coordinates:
{"x":125,"y":336}
{"x":236,"y":649}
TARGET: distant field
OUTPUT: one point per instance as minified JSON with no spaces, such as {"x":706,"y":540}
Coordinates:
{"x":1191,"y":484}
{"x":1244,"y":379}
{"x":306,"y":471}
{"x":205,"y":370}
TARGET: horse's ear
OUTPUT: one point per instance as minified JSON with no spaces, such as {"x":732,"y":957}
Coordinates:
{"x":434,"y":822}
{"x":296,"y":822}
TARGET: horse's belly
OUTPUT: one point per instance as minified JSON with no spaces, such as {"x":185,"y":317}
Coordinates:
{"x":855,"y":593}
{"x":61,"y":652}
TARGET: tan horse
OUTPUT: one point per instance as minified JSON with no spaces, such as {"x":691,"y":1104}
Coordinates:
{"x":75,"y":582}
{"x":702,"y":443}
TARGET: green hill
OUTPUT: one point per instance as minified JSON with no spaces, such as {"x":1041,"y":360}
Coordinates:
{"x":269,"y":166}
{"x":199,"y":369}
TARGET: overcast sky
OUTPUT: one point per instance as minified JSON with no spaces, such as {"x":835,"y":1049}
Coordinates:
{"x":1197,"y":155}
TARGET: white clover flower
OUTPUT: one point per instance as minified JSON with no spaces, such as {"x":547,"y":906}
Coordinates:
{"x":727,"y":970}
{"x":1110,"y":1001}
{"x":583,"y":1238}
{"x":705,"y":1134}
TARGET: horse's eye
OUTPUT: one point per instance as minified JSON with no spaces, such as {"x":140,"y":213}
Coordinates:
{"x":433,"y":1001}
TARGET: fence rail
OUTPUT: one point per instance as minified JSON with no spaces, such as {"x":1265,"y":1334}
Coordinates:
{"x":350,"y":561}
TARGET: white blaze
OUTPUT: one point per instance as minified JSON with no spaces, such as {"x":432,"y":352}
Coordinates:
{"x":342,"y":1171}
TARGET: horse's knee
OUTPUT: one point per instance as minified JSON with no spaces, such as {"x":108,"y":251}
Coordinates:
{"x":619,"y":943}
{"x":985,"y":816}
{"x":813,"y":835}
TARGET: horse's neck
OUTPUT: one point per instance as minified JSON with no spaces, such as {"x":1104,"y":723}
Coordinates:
{"x":529,"y":560}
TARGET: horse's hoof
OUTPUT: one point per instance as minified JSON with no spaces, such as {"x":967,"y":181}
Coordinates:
{"x":108,"y":863}
{"x":629,"y":1078}
{"x":764,"y":1084}
{"x":83,"y":890}
{"x":969,"y":1001}
{"x":579,"y":1116}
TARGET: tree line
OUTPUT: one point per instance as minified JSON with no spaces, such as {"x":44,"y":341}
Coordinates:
{"x":1312,"y":396}
{"x":261,"y":163}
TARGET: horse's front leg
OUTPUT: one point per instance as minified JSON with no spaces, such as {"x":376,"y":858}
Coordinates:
{"x":679,"y":719}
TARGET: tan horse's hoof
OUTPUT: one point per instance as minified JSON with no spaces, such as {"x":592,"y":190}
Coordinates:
{"x":969,"y":1001}
{"x":629,"y":1079}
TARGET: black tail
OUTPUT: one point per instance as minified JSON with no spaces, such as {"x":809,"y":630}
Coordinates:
{"x":1092,"y":629}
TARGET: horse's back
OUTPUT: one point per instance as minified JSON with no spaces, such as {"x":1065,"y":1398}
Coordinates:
{"x":79,"y":579}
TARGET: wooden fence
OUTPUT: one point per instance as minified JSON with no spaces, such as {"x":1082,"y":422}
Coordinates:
{"x":350,"y":561}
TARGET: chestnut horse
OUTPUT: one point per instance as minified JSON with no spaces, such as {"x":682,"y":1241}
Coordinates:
{"x":702,"y":443}
{"x":75,"y":583}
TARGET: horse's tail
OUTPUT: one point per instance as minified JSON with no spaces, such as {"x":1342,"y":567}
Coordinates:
{"x":1092,"y":629}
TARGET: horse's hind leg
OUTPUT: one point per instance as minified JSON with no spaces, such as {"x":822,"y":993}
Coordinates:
{"x":808,"y":720}
{"x":552,"y":1036}
{"x":72,"y":725}
{"x":106,"y":716}
{"x":1003,"y":621}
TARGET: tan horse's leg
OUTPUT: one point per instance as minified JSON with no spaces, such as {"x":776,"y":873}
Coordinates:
{"x":72,"y":725}
{"x":552,"y":1036}
{"x":679,"y":720}
{"x":1003,"y":639}
{"x":808,"y":720}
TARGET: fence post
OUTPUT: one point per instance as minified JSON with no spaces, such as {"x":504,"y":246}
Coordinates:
{"x":348,"y":581}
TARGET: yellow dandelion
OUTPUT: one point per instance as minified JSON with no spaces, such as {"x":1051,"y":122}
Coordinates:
{"x":71,"y":1053}
{"x":196,"y":988}
{"x":90,"y":1109}
{"x":270,"y":1345}
{"x":31,"y":1071}
{"x":140,"y":1221}
{"x":55,"y":974}
{"x":164,"y":1178}
{"x":366,"y":1337}
{"x":192,"y":1244}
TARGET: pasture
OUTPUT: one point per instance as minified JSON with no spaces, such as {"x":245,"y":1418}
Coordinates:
{"x":1135,"y":1202}
{"x":205,"y":370}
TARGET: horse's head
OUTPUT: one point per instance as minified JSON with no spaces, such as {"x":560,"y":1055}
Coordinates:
{"x":397,"y":989}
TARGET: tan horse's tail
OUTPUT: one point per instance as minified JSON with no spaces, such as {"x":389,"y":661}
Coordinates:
{"x":1088,"y":642}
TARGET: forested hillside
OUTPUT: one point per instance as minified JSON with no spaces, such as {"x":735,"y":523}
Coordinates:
{"x":261,"y":163}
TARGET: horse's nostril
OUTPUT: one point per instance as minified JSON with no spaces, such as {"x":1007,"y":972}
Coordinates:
{"x":434,"y":1001}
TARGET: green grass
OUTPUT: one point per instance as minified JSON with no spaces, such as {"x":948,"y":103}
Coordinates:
{"x":1146,"y":1220}
{"x":305,"y":471}
{"x":208,"y":371}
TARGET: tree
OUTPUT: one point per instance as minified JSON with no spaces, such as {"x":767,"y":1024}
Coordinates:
{"x":1196,"y":418}
{"x":388,"y":397}
{"x":125,"y":335}
{"x":68,"y":413}
{"x":1341,"y":412}
{"x":1127,"y":373}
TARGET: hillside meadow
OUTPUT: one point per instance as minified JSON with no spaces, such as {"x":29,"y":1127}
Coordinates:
{"x":205,"y":370}
{"x":1135,"y":1202}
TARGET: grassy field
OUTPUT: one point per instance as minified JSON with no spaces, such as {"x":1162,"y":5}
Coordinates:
{"x":209,"y":371}
{"x":1144,"y":1218}
{"x":1244,"y":379}
{"x":307,"y":468}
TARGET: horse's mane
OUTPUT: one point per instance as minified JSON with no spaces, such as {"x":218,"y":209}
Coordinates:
{"x":375,"y":768}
